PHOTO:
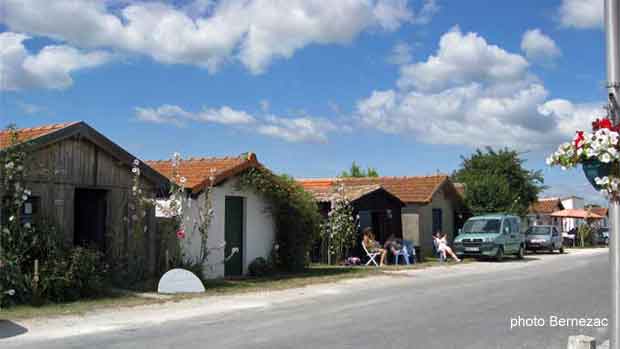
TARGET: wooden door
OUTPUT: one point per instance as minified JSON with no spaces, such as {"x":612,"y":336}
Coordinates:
{"x":234,"y":235}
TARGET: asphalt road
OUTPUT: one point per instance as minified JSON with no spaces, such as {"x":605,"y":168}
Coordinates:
{"x":468,"y":306}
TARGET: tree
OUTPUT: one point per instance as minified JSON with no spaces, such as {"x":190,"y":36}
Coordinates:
{"x":357,"y":171}
{"x":496,"y":181}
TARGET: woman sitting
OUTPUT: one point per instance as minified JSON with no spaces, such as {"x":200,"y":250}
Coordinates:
{"x":372,"y":246}
{"x":441,"y":242}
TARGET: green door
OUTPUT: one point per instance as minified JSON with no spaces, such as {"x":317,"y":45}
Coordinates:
{"x":234,"y":235}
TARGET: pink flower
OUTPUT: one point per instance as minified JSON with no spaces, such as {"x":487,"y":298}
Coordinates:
{"x":181,"y":234}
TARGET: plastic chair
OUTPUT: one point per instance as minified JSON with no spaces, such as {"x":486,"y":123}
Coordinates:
{"x":407,"y":251}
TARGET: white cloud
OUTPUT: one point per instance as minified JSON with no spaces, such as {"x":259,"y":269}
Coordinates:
{"x":539,"y":47}
{"x":476,"y":94}
{"x":205,"y":33}
{"x":401,"y":54}
{"x":581,"y":14}
{"x":166,"y":114}
{"x":296,"y":129}
{"x":303,"y":129}
{"x":462,"y":58}
{"x":51,"y":67}
{"x":225,"y":115}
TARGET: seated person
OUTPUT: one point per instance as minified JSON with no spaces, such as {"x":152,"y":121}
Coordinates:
{"x":372,"y":245}
{"x":393,"y":244}
{"x":441,"y":241}
{"x":396,"y":245}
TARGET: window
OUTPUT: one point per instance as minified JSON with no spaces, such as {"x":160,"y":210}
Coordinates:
{"x":30,"y":210}
{"x":437,"y":220}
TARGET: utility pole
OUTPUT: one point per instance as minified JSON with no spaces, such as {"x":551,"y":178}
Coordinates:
{"x":612,"y":37}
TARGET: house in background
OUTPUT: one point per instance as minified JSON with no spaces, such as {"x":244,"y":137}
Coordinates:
{"x":241,"y":220}
{"x":432,"y":203}
{"x":81,"y":181}
{"x":539,"y":212}
{"x":601,"y":211}
{"x":374,"y":205}
{"x":571,"y":202}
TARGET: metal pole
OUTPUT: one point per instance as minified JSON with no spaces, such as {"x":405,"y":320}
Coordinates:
{"x":612,"y":37}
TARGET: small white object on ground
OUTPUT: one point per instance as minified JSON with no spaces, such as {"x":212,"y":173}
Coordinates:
{"x":180,"y":281}
{"x":581,"y":342}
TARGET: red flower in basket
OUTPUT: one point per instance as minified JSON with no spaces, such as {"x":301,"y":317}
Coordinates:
{"x":181,"y":234}
{"x":602,"y":123}
{"x":579,"y":139}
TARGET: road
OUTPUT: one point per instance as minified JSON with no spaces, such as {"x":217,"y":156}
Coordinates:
{"x":465,"y":306}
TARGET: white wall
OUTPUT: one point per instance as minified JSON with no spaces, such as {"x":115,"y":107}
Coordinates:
{"x":258,"y":228}
{"x":573,"y":202}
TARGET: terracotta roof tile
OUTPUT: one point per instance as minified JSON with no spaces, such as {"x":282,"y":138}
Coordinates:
{"x":601,"y":211}
{"x":26,"y":134}
{"x":407,"y":189}
{"x":546,"y":206}
{"x":198,"y":171}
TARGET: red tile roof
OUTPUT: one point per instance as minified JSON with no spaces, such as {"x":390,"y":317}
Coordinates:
{"x":198,"y":172}
{"x":407,"y":189}
{"x":546,"y":206}
{"x":601,"y":211}
{"x":26,"y":134}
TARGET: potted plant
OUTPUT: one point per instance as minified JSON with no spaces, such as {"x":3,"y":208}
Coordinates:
{"x":599,"y":154}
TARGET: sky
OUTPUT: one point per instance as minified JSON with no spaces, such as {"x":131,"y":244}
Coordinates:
{"x":407,"y":87}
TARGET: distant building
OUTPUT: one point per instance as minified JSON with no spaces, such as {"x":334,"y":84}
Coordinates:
{"x":432,"y":203}
{"x":539,"y":212}
{"x":572,"y":202}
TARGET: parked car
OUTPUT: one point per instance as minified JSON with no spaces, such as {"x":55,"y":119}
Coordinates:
{"x":543,"y":237}
{"x":491,"y":236}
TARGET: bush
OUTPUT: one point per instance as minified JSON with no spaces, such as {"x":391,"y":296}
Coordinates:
{"x":81,"y":273}
{"x":260,"y":267}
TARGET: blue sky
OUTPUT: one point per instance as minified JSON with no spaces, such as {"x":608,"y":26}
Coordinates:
{"x":404,"y":86}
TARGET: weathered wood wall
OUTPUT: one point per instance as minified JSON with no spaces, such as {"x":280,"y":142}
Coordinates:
{"x":56,"y":171}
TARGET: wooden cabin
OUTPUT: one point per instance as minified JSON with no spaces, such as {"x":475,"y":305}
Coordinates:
{"x":81,"y":182}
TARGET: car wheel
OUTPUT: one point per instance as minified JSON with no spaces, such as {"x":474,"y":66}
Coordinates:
{"x":562,"y":250}
{"x":521,"y":253}
{"x":499,"y":256}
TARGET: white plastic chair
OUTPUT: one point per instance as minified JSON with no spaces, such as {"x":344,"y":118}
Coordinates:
{"x":371,"y":256}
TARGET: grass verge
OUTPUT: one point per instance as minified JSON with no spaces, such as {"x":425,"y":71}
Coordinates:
{"x":315,"y":274}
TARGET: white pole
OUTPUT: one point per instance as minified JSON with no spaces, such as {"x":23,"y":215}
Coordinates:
{"x":612,"y":36}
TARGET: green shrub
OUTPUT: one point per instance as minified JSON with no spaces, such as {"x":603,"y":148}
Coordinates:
{"x":81,"y":273}
{"x":260,"y":267}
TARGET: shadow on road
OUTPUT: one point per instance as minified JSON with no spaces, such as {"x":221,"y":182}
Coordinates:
{"x":10,"y":329}
{"x":526,"y":259}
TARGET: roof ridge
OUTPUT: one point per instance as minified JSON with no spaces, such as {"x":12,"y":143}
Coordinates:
{"x":202,"y":158}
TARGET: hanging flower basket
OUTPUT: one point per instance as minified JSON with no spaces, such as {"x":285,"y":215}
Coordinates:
{"x":594,"y":169}
{"x":599,"y":154}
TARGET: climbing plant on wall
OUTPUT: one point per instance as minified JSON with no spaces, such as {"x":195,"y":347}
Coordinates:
{"x":295,"y":214}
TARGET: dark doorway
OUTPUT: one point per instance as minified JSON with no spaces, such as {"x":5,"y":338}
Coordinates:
{"x":437,"y":220}
{"x":234,"y":235}
{"x":380,"y":226}
{"x":90,"y":218}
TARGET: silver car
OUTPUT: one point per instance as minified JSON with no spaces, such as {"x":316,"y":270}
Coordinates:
{"x":543,"y":237}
